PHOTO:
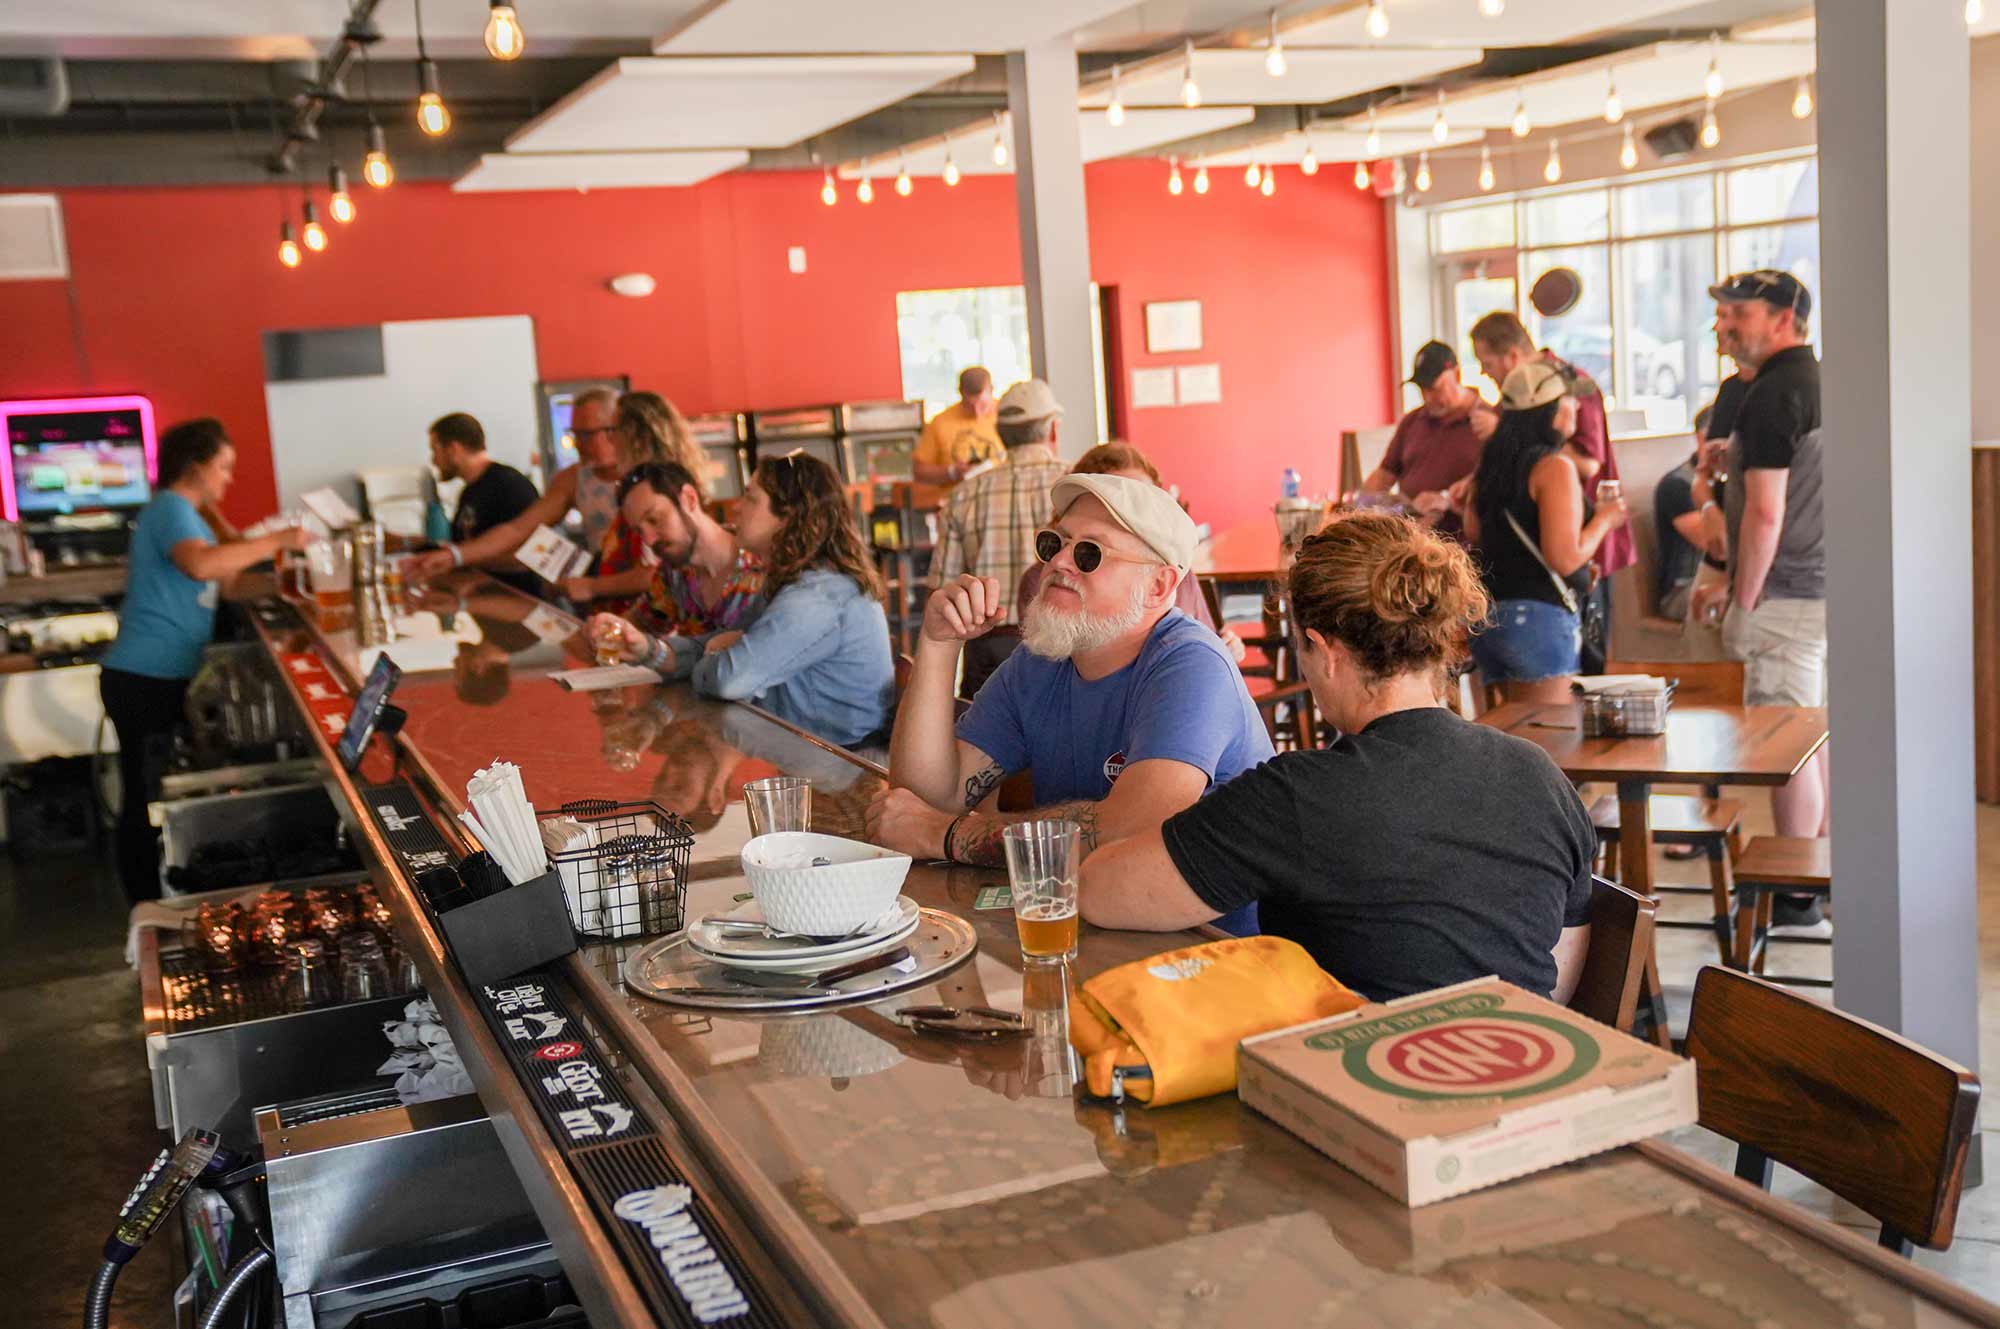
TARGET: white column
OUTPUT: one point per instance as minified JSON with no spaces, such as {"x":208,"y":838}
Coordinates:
{"x":1055,"y":231}
{"x":1895,"y":239}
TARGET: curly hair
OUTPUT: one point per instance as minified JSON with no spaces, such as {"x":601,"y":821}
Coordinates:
{"x":659,"y":432}
{"x":818,"y":529}
{"x":1397,"y":596}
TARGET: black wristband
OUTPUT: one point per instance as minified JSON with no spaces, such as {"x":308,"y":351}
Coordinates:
{"x":950,"y":833}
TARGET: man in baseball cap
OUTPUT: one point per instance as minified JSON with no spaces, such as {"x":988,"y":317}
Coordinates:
{"x":1122,"y":709}
{"x":1436,"y":445}
{"x":1772,"y":286}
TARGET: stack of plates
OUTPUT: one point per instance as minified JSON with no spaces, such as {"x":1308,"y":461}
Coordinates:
{"x":791,"y":955}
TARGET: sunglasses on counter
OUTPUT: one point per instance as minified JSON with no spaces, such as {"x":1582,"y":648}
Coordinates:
{"x":1088,"y":555}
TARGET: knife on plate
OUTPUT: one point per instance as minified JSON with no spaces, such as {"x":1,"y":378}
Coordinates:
{"x":746,"y":982}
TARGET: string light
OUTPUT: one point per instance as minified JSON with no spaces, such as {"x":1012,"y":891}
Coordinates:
{"x":1373,"y":146}
{"x":903,"y":184}
{"x":1423,"y":173}
{"x":1174,"y":183}
{"x":1190,"y":90}
{"x":1377,"y":24}
{"x":1712,"y":84}
{"x":1399,"y":179}
{"x":1552,"y":171}
{"x":1309,"y":163}
{"x":1485,"y":170}
{"x":1363,"y":179}
{"x":341,"y":205}
{"x":1711,"y":128}
{"x":375,"y":167}
{"x":504,"y":38}
{"x":828,"y":194}
{"x":1975,"y":12}
{"x":865,"y":191}
{"x":1802,"y":101}
{"x":1270,"y":185}
{"x":1492,"y":8}
{"x":432,"y":117}
{"x":999,"y":142}
{"x":1274,"y":59}
{"x":314,"y":233}
{"x":1201,"y":179}
{"x":1521,"y":124}
{"x":288,"y":248}
{"x":1114,"y":114}
{"x":1614,"y":109}
{"x":1628,"y":151}
{"x":1253,"y":175}
{"x":1440,"y":127}
{"x":951,"y":173}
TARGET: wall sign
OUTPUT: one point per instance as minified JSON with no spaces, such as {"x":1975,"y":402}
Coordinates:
{"x":1173,"y":325}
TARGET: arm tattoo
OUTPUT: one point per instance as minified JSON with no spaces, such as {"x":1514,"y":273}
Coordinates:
{"x":979,"y":837}
{"x":982,"y":783}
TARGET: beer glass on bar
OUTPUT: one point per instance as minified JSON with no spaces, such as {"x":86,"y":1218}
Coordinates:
{"x":781,"y":803}
{"x":1042,"y":862}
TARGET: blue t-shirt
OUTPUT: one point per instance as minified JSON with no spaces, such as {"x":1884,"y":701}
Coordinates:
{"x":168,"y":616}
{"x":1183,"y":699}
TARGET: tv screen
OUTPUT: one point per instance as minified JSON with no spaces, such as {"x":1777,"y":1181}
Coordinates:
{"x":82,"y":454}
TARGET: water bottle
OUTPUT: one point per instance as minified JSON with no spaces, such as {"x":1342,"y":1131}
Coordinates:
{"x":1291,"y":483}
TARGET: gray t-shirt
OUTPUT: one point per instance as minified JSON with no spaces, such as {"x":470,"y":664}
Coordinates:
{"x":1779,"y":429}
{"x":1422,"y":851}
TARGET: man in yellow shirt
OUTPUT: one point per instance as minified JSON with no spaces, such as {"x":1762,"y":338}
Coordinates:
{"x":962,"y":435}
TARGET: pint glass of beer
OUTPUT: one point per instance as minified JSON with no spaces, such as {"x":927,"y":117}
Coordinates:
{"x":1042,"y":862}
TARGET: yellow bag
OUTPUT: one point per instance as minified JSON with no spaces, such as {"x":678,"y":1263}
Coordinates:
{"x":1165,"y":1029}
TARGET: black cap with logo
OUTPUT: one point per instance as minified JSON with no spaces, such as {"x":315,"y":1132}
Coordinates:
{"x":1433,"y":358}
{"x":1776,"y":288}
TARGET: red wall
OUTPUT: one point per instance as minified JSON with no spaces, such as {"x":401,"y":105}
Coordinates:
{"x":171,"y":289}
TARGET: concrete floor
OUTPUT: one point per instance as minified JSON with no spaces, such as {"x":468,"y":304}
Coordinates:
{"x":76,"y":1103}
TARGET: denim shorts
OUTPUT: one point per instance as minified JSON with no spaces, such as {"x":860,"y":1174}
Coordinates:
{"x":1527,"y":640}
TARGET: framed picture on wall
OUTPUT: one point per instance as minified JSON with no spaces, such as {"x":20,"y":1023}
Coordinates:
{"x":1173,"y":325}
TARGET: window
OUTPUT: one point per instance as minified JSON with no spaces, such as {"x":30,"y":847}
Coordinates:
{"x":1646,"y":251}
{"x":942,"y":332}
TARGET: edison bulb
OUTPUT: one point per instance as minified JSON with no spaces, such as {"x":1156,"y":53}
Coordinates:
{"x":865,"y":191}
{"x":1201,"y":180}
{"x":1253,"y":175}
{"x":1802,"y":102}
{"x":288,"y":248}
{"x":1712,"y":83}
{"x":375,"y":167}
{"x":1270,"y":185}
{"x":1628,"y":151}
{"x":951,"y":175}
{"x":504,"y":38}
{"x":1423,"y":173}
{"x":341,"y":207}
{"x":1190,"y":91}
{"x":1114,"y":114}
{"x":1485,"y":171}
{"x":1309,"y":164}
{"x":1399,"y":178}
{"x":999,"y":149}
{"x":1552,"y":171}
{"x":432,"y":117}
{"x":314,"y":233}
{"x":1614,"y":109}
{"x":1377,"y":23}
{"x":1975,"y":12}
{"x":1274,"y":61}
{"x":1521,"y":124}
{"x":1492,"y":8}
{"x":903,"y":184}
{"x":1373,"y":144}
{"x":1362,"y":179}
{"x":1711,"y":128}
{"x":827,"y":193}
{"x":1174,"y":182}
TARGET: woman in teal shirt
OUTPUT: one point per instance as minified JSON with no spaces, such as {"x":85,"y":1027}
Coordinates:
{"x":176,"y":575}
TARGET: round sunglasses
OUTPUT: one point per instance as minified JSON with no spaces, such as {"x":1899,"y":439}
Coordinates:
{"x":1088,"y":555}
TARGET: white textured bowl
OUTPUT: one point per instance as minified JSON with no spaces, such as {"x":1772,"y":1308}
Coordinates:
{"x":857,"y":885}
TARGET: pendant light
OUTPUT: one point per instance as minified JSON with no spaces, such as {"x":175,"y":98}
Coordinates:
{"x":504,"y":38}
{"x":1628,"y":151}
{"x":1362,"y":178}
{"x":1274,"y":59}
{"x":375,"y":167}
{"x":288,"y":248}
{"x":340,"y":206}
{"x":865,"y":191}
{"x":1201,"y":179}
{"x":1711,"y":128}
{"x":1521,"y":125}
{"x":1373,"y":144}
{"x":314,"y":233}
{"x":1492,"y":8}
{"x":1270,"y":185}
{"x":1377,"y":23}
{"x":1614,"y":109}
{"x":1552,"y":170}
{"x":1440,"y":127}
{"x":1423,"y":173}
{"x":1802,"y":100}
{"x":903,"y":183}
{"x":1712,"y":82}
{"x":1253,"y":175}
{"x":432,"y":117}
{"x":828,"y":194}
{"x":951,"y":173}
{"x":999,"y":142}
{"x":1174,"y":183}
{"x":1309,"y":163}
{"x":1114,"y":114}
{"x":1485,"y":170}
{"x":1190,"y":90}
{"x":1399,"y":178}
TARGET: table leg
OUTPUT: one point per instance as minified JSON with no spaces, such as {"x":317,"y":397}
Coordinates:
{"x":1635,"y":861}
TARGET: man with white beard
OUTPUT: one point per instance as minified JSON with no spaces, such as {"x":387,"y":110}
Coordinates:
{"x":1123,"y":709}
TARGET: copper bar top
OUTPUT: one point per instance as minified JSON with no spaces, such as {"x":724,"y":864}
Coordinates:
{"x":932,"y":1183}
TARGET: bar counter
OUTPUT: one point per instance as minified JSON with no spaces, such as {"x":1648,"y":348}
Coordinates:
{"x":867,"y":1176}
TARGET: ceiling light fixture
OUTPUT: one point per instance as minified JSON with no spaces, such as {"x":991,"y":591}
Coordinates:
{"x":1309,"y":162}
{"x":288,"y":248}
{"x":1253,"y":175}
{"x":1628,"y":151}
{"x":1711,"y":128}
{"x":903,"y":183}
{"x":432,"y":117}
{"x":1114,"y":114}
{"x":1373,"y":145}
{"x":1377,"y":23}
{"x":1440,"y":127}
{"x":1492,"y":8}
{"x":1201,"y":179}
{"x":1174,"y":182}
{"x":1423,"y":173}
{"x":999,"y":142}
{"x":341,"y":204}
{"x":1485,"y":170}
{"x":1270,"y":185}
{"x":865,"y":191}
{"x":828,"y":193}
{"x":314,"y":233}
{"x":1614,"y":109}
{"x":1363,"y":179}
{"x":1521,"y":125}
{"x":1802,"y":100}
{"x":375,"y":167}
{"x":1190,"y":90}
{"x":504,"y":38}
{"x":1399,"y":179}
{"x":951,"y":174}
{"x":1712,"y":83}
{"x":1975,"y":12}
{"x":1274,"y":59}
{"x":1552,"y":170}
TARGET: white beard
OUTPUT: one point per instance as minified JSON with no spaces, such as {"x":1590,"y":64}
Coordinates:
{"x":1055,"y":634}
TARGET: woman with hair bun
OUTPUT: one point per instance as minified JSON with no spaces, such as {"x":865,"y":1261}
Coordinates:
{"x":1418,"y":850}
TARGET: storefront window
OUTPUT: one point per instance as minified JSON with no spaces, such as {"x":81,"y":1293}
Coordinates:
{"x":1659,"y":207}
{"x":1774,"y":192}
{"x":1566,"y":219}
{"x":1490,"y":227}
{"x":942,"y":332}
{"x":1667,"y":355}
{"x":1583,"y":335}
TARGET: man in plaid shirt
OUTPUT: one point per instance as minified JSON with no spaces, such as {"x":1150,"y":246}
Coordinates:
{"x":988,"y":525}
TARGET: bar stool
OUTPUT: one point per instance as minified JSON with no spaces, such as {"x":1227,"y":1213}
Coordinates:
{"x":1711,"y":825}
{"x":1769,"y":866}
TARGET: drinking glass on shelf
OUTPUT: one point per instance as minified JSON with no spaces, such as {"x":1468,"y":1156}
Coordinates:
{"x":308,"y":977}
{"x":1042,"y":862}
{"x":364,"y":970}
{"x":781,"y":803}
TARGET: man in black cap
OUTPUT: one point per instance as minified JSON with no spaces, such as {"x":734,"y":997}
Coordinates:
{"x":1436,"y":445}
{"x":1775,"y":599}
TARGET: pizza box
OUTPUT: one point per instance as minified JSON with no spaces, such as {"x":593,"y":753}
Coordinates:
{"x":1440,"y":1093}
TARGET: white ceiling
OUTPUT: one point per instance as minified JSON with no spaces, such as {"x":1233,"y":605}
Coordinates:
{"x":732,"y":26}
{"x":1238,"y":77}
{"x":1143,"y":129}
{"x":1459,"y":23}
{"x":594,"y":170}
{"x":303,"y":29}
{"x":1333,"y":146}
{"x":1666,"y":74}
{"x":645,"y":103}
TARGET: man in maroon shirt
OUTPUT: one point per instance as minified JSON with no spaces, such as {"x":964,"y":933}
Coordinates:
{"x":1436,"y":445}
{"x":1502,"y":343}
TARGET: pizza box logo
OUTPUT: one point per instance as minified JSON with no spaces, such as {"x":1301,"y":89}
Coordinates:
{"x":1467,"y":1048}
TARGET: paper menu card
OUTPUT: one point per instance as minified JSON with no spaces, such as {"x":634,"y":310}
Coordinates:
{"x":605,"y":676}
{"x":329,"y":507}
{"x":552,"y":557}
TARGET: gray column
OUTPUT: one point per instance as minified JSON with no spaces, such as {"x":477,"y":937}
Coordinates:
{"x":1055,"y":231}
{"x":1895,"y":238}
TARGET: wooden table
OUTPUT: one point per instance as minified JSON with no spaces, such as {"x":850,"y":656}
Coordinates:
{"x":1248,"y":552}
{"x":1703,"y":745}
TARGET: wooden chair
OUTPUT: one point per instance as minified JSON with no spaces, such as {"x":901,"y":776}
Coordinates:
{"x":1621,"y":937}
{"x":1769,"y":866}
{"x":1713,"y":826}
{"x":1877,"y":1120}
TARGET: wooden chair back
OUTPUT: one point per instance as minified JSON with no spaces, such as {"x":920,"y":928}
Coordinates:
{"x":1867,"y":1114}
{"x":1621,"y":937}
{"x":1702,"y":682}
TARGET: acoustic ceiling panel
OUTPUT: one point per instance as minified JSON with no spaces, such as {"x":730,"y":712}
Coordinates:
{"x":499,"y":171}
{"x":1666,"y":74}
{"x":1459,"y":22}
{"x":1336,"y":145}
{"x":972,"y":150}
{"x":829,"y":26}
{"x":647,"y":103}
{"x":1239,"y":77}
